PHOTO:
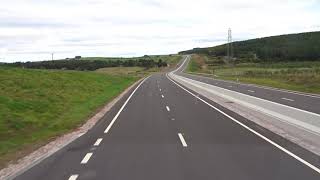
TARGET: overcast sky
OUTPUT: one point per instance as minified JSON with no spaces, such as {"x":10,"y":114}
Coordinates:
{"x":31,"y":29}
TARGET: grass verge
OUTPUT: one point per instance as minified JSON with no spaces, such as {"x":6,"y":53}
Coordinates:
{"x":303,"y":76}
{"x":38,"y":105}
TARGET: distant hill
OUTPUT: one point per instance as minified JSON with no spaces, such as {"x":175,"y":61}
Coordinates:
{"x":302,"y":46}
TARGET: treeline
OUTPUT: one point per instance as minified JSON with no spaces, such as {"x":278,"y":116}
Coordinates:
{"x":292,"y":47}
{"x":89,"y":65}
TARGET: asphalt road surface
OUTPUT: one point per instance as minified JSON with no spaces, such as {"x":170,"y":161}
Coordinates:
{"x":161,"y":131}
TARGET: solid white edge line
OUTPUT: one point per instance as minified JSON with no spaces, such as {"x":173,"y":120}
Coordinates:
{"x":168,"y":109}
{"x":251,"y":130}
{"x":73,"y":177}
{"x":125,"y":103}
{"x":98,"y":141}
{"x":183,"y":142}
{"x":86,"y":158}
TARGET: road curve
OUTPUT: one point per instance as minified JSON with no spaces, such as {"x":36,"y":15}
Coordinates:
{"x":160,"y":131}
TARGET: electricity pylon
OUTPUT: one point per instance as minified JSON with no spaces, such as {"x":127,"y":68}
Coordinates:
{"x":229,"y":45}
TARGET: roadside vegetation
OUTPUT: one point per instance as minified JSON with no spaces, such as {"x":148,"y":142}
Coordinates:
{"x":130,"y":71}
{"x":39,"y":105}
{"x":94,"y":63}
{"x":301,"y":76}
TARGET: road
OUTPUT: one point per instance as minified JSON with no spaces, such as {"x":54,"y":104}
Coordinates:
{"x":159,"y":130}
{"x":302,"y":101}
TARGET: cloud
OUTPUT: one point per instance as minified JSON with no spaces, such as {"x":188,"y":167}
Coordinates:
{"x":33,"y":29}
{"x":22,"y":23}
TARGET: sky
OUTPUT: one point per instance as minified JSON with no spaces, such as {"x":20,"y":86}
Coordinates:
{"x":30,"y":30}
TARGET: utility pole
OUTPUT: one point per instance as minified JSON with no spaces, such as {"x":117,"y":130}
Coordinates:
{"x":52,"y":56}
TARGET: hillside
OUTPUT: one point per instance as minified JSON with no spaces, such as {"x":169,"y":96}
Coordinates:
{"x":291,"y":47}
{"x":37,"y":105}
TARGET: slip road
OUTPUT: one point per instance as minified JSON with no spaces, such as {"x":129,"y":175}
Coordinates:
{"x":161,"y":131}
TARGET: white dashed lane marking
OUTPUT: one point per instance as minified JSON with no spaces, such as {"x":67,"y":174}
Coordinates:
{"x":86,"y":158}
{"x":287,"y":99}
{"x":183,"y":142}
{"x":73,"y":177}
{"x":251,"y":91}
{"x":168,"y":109}
{"x":98,"y":142}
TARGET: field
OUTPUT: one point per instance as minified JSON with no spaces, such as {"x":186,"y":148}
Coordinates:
{"x":301,"y":76}
{"x":170,"y":59}
{"x":39,"y":105}
{"x":94,"y":63}
{"x":138,"y":72}
{"x":141,"y":71}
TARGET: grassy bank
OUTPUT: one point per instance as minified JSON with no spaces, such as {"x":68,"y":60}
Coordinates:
{"x":38,"y":105}
{"x":171,"y":60}
{"x":301,"y":76}
{"x":138,"y":72}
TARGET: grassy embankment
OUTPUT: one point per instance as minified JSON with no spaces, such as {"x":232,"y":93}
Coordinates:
{"x":38,"y":105}
{"x":301,"y":76}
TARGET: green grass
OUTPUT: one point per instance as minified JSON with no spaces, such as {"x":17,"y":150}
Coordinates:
{"x":193,"y":66}
{"x":138,"y":72}
{"x":301,"y":76}
{"x":123,"y":71}
{"x":37,"y":105}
